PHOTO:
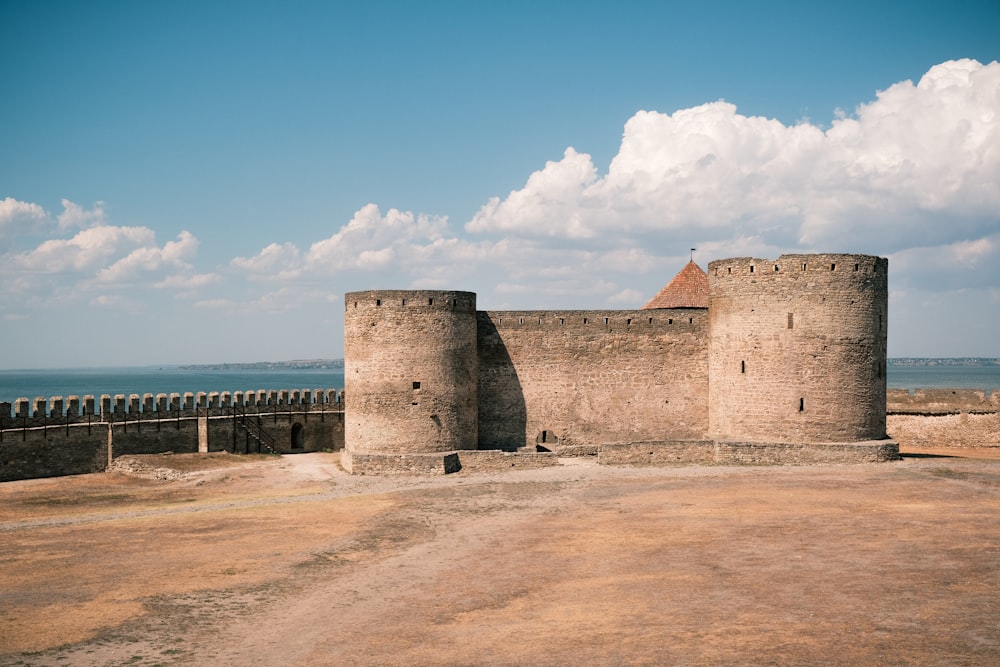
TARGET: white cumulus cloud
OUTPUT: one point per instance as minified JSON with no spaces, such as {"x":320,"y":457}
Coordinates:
{"x":879,"y":180}
{"x":74,"y":215}
{"x":19,"y":218}
{"x":151,"y":258}
{"x":88,"y":249}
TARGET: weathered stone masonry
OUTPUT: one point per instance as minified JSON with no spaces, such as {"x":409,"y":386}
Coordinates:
{"x":78,"y":436}
{"x":786,"y":364}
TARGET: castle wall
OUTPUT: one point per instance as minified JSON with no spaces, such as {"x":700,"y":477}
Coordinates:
{"x":565,"y":379}
{"x":410,"y":370}
{"x":52,"y":437}
{"x":797,"y":348}
{"x":943,"y":418}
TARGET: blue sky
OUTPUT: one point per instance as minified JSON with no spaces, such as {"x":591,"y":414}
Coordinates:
{"x":203,"y":181}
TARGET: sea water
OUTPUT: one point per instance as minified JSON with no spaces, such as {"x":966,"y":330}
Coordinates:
{"x":154,"y":380}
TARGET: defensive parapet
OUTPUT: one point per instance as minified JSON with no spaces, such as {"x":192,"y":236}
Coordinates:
{"x":797,"y":348}
{"x":164,"y":405}
{"x":49,"y":437}
{"x":410,"y":370}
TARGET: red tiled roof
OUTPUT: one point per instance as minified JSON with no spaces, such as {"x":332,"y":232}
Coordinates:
{"x":688,"y":289}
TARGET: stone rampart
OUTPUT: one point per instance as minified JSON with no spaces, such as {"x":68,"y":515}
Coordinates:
{"x":555,"y":380}
{"x":941,"y":401}
{"x":55,"y":437}
{"x":944,"y":417}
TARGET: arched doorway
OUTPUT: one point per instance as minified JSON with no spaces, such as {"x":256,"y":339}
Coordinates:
{"x":546,"y":441}
{"x":298,"y":436}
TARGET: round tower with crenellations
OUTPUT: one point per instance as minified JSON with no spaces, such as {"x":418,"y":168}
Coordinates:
{"x":410,"y":371}
{"x":797,"y":348}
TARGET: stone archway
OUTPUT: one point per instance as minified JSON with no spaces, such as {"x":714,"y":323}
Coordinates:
{"x":546,"y":441}
{"x":298,"y":436}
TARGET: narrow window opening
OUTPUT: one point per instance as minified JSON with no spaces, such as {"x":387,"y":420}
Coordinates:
{"x":404,"y":302}
{"x":520,"y":320}
{"x":605,"y":320}
{"x":562,"y":320}
{"x":454,"y":303}
{"x":651,"y":320}
{"x":729,"y":269}
{"x":857,"y":267}
{"x":670,"y":320}
{"x":378,"y":302}
{"x":430,"y":302}
{"x":585,"y":320}
{"x":743,"y":366}
{"x":833,"y":267}
{"x":803,"y":266}
{"x":690,"y":320}
{"x":751,"y":268}
{"x":416,"y":386}
{"x":802,"y":405}
{"x":791,"y":321}
{"x":628,"y":322}
{"x":776,"y":269}
{"x":539,"y":320}
{"x":355,"y":304}
{"x":499,"y":321}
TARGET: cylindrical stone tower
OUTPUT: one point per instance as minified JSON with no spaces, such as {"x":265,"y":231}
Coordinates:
{"x":410,"y":371}
{"x":797,"y":348}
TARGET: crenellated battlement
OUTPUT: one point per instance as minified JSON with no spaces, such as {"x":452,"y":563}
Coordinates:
{"x":53,"y":436}
{"x":646,"y":320}
{"x":410,"y":301}
{"x":817,"y":268}
{"x":168,"y":404}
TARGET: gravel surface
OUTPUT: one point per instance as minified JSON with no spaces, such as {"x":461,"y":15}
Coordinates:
{"x":227,"y":560}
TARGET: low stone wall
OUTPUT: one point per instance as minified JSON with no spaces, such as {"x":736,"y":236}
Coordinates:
{"x":962,"y":429}
{"x":749,"y":453}
{"x":443,"y":463}
{"x":577,"y":451}
{"x":708,"y":452}
{"x":940,"y":401}
{"x":943,"y":417}
{"x":434,"y":463}
{"x":678,"y":452}
{"x":674,"y":452}
{"x":495,"y":460}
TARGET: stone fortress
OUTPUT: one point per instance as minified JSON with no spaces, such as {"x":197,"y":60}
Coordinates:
{"x":759,"y":361}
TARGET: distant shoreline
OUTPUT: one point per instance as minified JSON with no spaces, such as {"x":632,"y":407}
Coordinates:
{"x":296,"y":364}
{"x":943,"y":361}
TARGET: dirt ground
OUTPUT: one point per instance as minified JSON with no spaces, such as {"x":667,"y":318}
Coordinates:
{"x":290,"y":561}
